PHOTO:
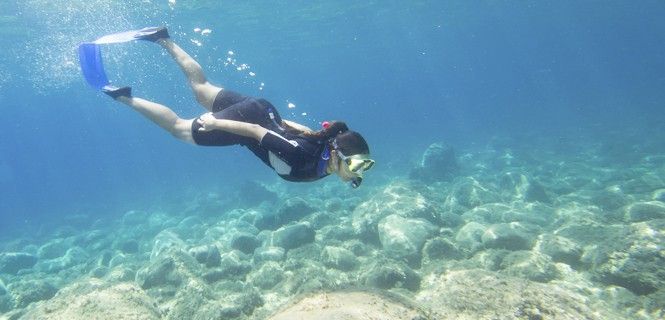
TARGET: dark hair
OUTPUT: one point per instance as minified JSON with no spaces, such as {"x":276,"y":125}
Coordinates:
{"x":351,"y":142}
{"x":348,"y":142}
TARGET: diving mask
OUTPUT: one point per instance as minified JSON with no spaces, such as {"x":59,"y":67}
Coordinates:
{"x":357,"y":164}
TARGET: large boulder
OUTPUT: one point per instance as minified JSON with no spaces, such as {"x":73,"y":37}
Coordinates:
{"x":389,"y":274}
{"x":338,"y":258}
{"x":207,"y":255}
{"x":509,"y":236}
{"x":97,"y":301}
{"x":636,"y":261}
{"x":12,"y":262}
{"x":521,"y":187}
{"x":396,"y":199}
{"x":349,"y":306}
{"x":245,"y":242}
{"x":469,"y":237}
{"x":438,"y":163}
{"x":644,"y":211}
{"x":404,"y":238}
{"x":561,"y":249}
{"x":530,"y":265}
{"x":292,"y":210}
{"x":293,"y":236}
{"x":478,"y":294}
{"x":29,"y":291}
{"x":469,"y":193}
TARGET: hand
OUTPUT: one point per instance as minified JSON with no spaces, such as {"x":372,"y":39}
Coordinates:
{"x":207,"y":122}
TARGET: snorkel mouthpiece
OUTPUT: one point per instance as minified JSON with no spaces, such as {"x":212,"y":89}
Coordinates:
{"x":355,"y":182}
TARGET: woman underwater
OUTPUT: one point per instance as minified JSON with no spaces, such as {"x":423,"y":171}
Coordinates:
{"x":294,"y":151}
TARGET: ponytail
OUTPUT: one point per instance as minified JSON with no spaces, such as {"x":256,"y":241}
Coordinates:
{"x":329,"y":133}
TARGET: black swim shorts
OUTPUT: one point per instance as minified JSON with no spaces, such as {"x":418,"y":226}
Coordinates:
{"x":234,"y":106}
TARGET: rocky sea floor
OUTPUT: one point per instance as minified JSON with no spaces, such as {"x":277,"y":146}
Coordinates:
{"x":554,"y":232}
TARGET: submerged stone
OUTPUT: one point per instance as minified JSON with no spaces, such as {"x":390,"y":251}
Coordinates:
{"x":404,"y":238}
{"x":269,"y":254}
{"x":510,"y":236}
{"x":338,"y":258}
{"x":292,"y":210}
{"x":158,"y":273}
{"x":267,"y":276}
{"x":207,"y":255}
{"x":388,"y":275}
{"x":12,"y":262}
{"x":438,"y":163}
{"x":529,"y":265}
{"x":644,"y":211}
{"x":293,"y":236}
{"x":27,"y":292}
{"x":245,"y":242}
{"x":561,"y":249}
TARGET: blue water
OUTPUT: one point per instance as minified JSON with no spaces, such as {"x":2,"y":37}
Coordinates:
{"x":405,"y":74}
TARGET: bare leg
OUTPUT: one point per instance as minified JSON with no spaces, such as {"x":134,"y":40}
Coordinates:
{"x":204,"y":91}
{"x":162,"y":116}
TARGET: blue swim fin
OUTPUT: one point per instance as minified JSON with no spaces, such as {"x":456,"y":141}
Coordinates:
{"x":90,"y":58}
{"x":90,"y":53}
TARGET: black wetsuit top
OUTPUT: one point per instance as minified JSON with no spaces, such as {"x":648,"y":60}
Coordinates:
{"x":293,"y":157}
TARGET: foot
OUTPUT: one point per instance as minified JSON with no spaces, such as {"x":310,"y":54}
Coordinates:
{"x":115,"y":92}
{"x":152,"y":34}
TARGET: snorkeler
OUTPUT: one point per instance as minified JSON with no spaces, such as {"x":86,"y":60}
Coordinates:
{"x":294,"y":151}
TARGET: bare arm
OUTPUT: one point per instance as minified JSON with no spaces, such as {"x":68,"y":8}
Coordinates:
{"x":297,"y":126}
{"x":208,"y":123}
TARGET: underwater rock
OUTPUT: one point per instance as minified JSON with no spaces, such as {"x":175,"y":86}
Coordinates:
{"x":530,"y":265}
{"x":6,"y":303}
{"x":158,"y":273}
{"x":55,"y":248}
{"x":404,"y":238}
{"x":469,"y":193}
{"x":129,"y":246}
{"x":479,"y":294}
{"x":469,"y":237}
{"x":593,"y":233}
{"x":533,"y":213}
{"x":248,"y":300}
{"x":12,"y":262}
{"x":164,"y":241}
{"x":438,"y":164}
{"x":252,"y":193}
{"x":440,"y":249}
{"x":636,"y":261}
{"x":395,"y":199}
{"x":245,"y":242}
{"x":96,"y":301}
{"x":207,"y":255}
{"x":389,"y":274}
{"x":269,"y":254}
{"x":338,"y":258}
{"x":133,"y":218}
{"x":609,"y":198}
{"x":643,"y":211}
{"x":293,"y":236}
{"x":292,"y":210}
{"x":510,"y":236}
{"x":349,"y":306}
{"x":658,"y":195}
{"x":561,"y":249}
{"x":524,"y":188}
{"x":267,"y":276}
{"x":29,"y":291}
{"x":73,"y":257}
{"x":231,"y":267}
